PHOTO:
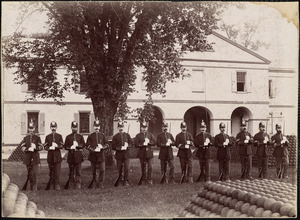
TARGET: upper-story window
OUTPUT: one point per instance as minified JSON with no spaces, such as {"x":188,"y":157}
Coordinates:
{"x":241,"y":82}
{"x":271,"y":89}
{"x":85,"y":121}
{"x":82,"y":84}
{"x":30,"y":86}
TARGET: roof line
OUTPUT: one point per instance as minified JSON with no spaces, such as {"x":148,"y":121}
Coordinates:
{"x":241,"y":47}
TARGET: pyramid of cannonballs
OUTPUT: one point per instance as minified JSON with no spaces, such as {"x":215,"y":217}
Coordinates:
{"x":256,"y":198}
{"x":15,"y":203}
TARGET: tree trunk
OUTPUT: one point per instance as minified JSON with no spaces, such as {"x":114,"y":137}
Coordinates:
{"x":105,"y":111}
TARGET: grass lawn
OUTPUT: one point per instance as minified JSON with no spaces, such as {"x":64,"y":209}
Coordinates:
{"x":133,"y":201}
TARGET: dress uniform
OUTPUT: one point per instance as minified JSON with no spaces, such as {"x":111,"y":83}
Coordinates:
{"x":31,"y":145}
{"x":96,"y":143}
{"x":280,"y":152}
{"x":74,"y":143}
{"x":261,"y":141}
{"x":244,"y":141}
{"x":53,"y":144}
{"x":120,"y":143}
{"x":223,"y":144}
{"x":203,"y":143}
{"x":144,"y":141}
{"x":184,"y":141}
{"x":164,"y":141}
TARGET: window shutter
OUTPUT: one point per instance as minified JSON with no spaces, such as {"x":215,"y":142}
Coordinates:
{"x":76,"y":118}
{"x":248,"y":83}
{"x":24,"y":123}
{"x":233,"y":81}
{"x":42,"y":123}
{"x":272,"y":92}
{"x":92,"y":119}
{"x":24,"y":87}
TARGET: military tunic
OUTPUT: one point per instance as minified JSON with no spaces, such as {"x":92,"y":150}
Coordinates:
{"x":263,"y":152}
{"x":145,"y":153}
{"x":223,"y":155}
{"x":97,"y":158}
{"x":185,"y":154}
{"x":204,"y":154}
{"x":32,"y":158}
{"x":281,"y":154}
{"x":245,"y":152}
{"x":122,"y":156}
{"x":166,"y":154}
{"x":75,"y":157}
{"x":54,"y":157}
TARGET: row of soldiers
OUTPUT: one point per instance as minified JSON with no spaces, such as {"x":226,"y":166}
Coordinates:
{"x":145,"y":141}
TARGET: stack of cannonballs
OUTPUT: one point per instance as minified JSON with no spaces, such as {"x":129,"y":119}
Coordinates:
{"x":256,"y":198}
{"x":15,"y":203}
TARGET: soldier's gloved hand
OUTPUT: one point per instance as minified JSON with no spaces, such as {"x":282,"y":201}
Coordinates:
{"x":73,"y":147}
{"x":97,"y":149}
{"x":33,"y":145}
{"x":125,"y":146}
{"x":54,"y":144}
{"x":169,"y":142}
{"x":52,"y":148}
{"x":146,"y":142}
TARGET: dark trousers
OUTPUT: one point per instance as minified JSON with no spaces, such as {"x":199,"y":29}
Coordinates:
{"x":163,"y":164}
{"x":75,"y":172}
{"x":281,"y":166}
{"x":146,"y":170}
{"x":224,"y":169}
{"x":204,"y":168}
{"x":186,"y":164}
{"x":263,"y":167}
{"x":120,"y":164}
{"x":246,"y":162}
{"x":56,"y":167}
{"x":33,"y":176}
{"x":99,"y":177}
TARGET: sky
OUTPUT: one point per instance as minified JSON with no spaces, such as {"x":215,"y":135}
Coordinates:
{"x":273,"y":29}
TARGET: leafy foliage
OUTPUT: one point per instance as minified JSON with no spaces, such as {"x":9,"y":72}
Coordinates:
{"x":106,"y":42}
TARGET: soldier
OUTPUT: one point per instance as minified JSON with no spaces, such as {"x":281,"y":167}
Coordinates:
{"x":261,"y":141}
{"x":144,"y":141}
{"x":223,"y":143}
{"x":74,"y":143}
{"x":203,"y":143}
{"x":165,"y":140}
{"x":96,"y":143}
{"x":120,"y":143}
{"x":184,"y":141}
{"x":280,"y":152}
{"x":244,"y":141}
{"x":53,"y":144}
{"x":31,"y":145}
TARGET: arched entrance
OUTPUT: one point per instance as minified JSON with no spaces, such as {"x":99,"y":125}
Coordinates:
{"x":237,"y":116}
{"x":193,"y":118}
{"x":155,"y":125}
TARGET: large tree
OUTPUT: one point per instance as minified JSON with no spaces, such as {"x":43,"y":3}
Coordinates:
{"x":104,"y":43}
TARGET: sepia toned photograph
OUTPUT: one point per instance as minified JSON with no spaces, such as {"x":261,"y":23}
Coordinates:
{"x":132,"y":109}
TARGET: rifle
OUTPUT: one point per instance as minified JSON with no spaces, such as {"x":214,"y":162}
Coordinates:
{"x":163,"y":176}
{"x":28,"y":174}
{"x":70,"y":177}
{"x":51,"y":178}
{"x":260,"y":172}
{"x":119,"y":177}
{"x":91,"y":183}
{"x":184,"y":173}
{"x":280,"y":173}
{"x":221,"y":175}
{"x":144,"y":168}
